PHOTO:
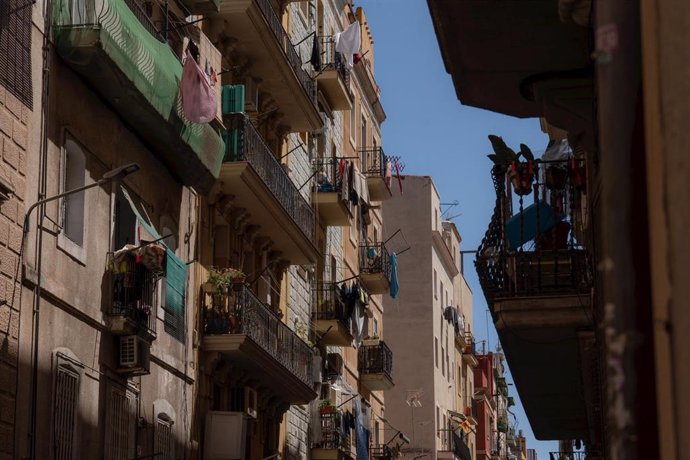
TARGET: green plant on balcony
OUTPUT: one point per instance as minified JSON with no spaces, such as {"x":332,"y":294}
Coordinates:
{"x":502,"y":425}
{"x":221,"y":316}
{"x":520,"y":173}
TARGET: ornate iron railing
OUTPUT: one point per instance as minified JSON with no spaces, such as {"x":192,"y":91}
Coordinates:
{"x":246,"y":144}
{"x":246,"y":314}
{"x":374,"y":162}
{"x":539,"y":249}
{"x":134,"y":293}
{"x":470,"y":344}
{"x":381,"y":452}
{"x":567,"y":456}
{"x":375,"y":359}
{"x":333,"y":436}
{"x":331,"y":59}
{"x":329,"y":178}
{"x":451,"y":441}
{"x":291,"y":54}
{"x":329,"y":304}
{"x":374,"y":258}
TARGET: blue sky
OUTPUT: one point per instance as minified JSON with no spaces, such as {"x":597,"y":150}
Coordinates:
{"x":436,"y":135}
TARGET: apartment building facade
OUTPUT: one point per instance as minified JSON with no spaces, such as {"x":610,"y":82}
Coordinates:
{"x":567,"y":308}
{"x":169,"y":308}
{"x":431,"y":324}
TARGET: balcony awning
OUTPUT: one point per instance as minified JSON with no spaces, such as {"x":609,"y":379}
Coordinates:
{"x":139,"y":76}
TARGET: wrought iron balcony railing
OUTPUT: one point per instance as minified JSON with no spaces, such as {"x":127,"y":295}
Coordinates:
{"x":381,"y":452}
{"x":374,"y":162}
{"x":375,"y":359}
{"x":374,"y":259}
{"x":567,"y":456}
{"x":134,"y":295}
{"x":331,"y":59}
{"x":451,"y":441}
{"x":246,"y":144}
{"x":282,"y":37}
{"x":332,"y":434}
{"x":539,"y":249}
{"x":329,"y":304}
{"x":246,"y":314}
{"x":329,"y":177}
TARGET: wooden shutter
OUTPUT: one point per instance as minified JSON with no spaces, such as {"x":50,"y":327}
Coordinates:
{"x":175,"y":289}
{"x":65,"y":412}
{"x":15,"y":49}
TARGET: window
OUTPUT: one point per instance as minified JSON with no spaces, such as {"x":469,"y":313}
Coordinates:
{"x":435,"y":280}
{"x":15,"y":49}
{"x":363,"y":143}
{"x":353,"y":122}
{"x":436,"y":351}
{"x":443,"y":362}
{"x":440,"y":291}
{"x":74,"y":176}
{"x":65,"y":406}
{"x":304,"y":11}
{"x":376,"y":327}
{"x":438,"y":422}
{"x":164,"y":447}
{"x":120,"y":424}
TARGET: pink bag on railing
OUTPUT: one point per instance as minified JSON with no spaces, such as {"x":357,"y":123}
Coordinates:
{"x":198,"y":97}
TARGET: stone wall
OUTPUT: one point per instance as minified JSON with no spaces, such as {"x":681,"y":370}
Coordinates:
{"x":14,"y":118}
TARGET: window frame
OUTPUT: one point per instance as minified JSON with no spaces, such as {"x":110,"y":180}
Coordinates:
{"x":64,"y":242}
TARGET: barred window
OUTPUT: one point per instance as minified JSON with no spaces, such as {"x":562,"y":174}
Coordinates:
{"x":120,"y":424}
{"x":164,"y":448}
{"x":65,"y":405}
{"x":15,"y":49}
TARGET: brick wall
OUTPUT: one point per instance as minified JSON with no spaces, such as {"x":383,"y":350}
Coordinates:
{"x":13,"y":144}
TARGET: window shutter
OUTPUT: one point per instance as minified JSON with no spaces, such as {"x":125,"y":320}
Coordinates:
{"x":175,"y":289}
{"x":232,"y":97}
{"x":15,"y":49}
{"x":65,"y":406}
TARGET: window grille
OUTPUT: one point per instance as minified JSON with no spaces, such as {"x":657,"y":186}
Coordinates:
{"x":66,"y":401}
{"x":164,"y":447}
{"x":120,"y":424}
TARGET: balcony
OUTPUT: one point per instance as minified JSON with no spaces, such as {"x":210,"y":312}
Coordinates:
{"x":382,"y":452}
{"x":334,"y":78}
{"x":118,"y":51}
{"x":375,"y":268}
{"x":333,"y":445}
{"x":252,"y":337}
{"x":253,"y":34}
{"x":331,"y":321}
{"x":453,"y":446}
{"x":567,"y":456}
{"x":378,"y":170}
{"x":331,"y":196}
{"x":535,"y":274}
{"x":134,"y":296}
{"x":255,"y":188}
{"x":375,"y":364}
{"x":469,"y":351}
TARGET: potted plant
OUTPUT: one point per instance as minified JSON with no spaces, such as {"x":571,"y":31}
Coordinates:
{"x":325,"y":407}
{"x":219,"y":280}
{"x":520,"y":173}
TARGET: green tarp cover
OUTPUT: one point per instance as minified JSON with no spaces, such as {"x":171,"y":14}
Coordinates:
{"x":150,"y":65}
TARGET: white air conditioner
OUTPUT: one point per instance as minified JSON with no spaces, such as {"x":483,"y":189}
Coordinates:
{"x":135,"y":354}
{"x":225,"y":436}
{"x":250,"y":402}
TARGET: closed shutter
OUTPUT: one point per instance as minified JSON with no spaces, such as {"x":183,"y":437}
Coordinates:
{"x":120,"y":424}
{"x":65,"y":408}
{"x":164,"y":448}
{"x":232,"y":97}
{"x":175,"y":289}
{"x":15,"y":49}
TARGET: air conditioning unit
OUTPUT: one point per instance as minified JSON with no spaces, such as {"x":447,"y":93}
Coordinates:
{"x":135,"y":354}
{"x":250,"y":402}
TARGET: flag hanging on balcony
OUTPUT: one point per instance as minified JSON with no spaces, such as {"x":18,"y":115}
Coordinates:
{"x":349,"y":42}
{"x":394,"y":275}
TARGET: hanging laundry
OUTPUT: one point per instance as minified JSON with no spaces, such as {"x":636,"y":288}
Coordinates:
{"x":198,"y":98}
{"x":316,"y":53}
{"x":349,"y":42}
{"x":388,"y":174}
{"x":394,"y":275}
{"x":397,"y":173}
